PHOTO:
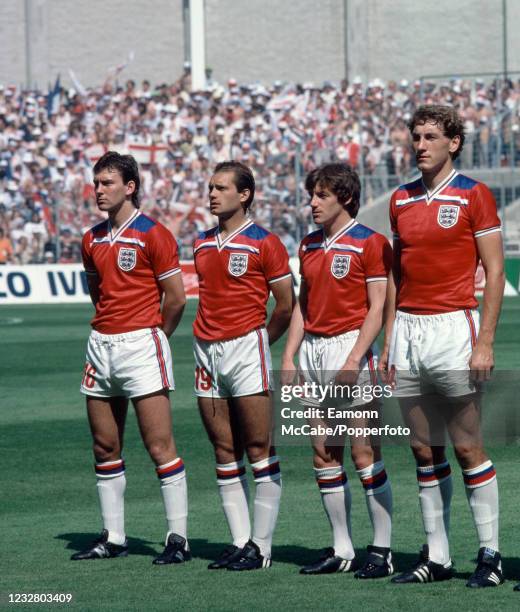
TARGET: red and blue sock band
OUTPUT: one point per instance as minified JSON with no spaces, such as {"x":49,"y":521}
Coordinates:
{"x":479,"y":476}
{"x":374,"y":478}
{"x":267,"y":469}
{"x":230,"y":473}
{"x":433,"y":475}
{"x":169,"y":472}
{"x":110,"y":469}
{"x":331,"y":480}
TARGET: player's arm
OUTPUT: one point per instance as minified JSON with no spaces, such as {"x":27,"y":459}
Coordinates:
{"x":174,"y":300}
{"x":376,"y":294}
{"x":390,"y":308}
{"x":491,"y":254}
{"x":283,"y":294}
{"x":93,"y":286}
{"x":294,"y":337}
{"x":93,"y":280}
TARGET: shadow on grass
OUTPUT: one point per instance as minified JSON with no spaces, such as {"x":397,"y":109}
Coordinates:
{"x":292,"y":554}
{"x":296,"y":555}
{"x":80,"y":541}
{"x":511,"y":566}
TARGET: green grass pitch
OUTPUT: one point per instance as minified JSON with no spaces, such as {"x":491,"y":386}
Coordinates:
{"x":49,"y":506}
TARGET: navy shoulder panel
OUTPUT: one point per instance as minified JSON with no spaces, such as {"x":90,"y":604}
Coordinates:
{"x":143,"y":223}
{"x":255,"y":232}
{"x":463,"y":182}
{"x":207,"y":233}
{"x":360,"y":231}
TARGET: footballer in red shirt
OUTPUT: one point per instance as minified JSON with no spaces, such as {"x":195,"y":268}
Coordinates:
{"x":435,"y":351}
{"x":239,"y":264}
{"x":134,"y":280}
{"x":344,"y":268}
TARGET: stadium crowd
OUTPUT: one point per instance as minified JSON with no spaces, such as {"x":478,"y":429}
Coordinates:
{"x":49,"y":142}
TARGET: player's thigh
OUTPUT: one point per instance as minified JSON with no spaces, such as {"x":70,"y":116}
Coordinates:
{"x":155,"y":424}
{"x":107,"y":418}
{"x":245,"y":367}
{"x":404,"y":358}
{"x":309,"y":365}
{"x":255,"y":418}
{"x":206,"y":383}
{"x":447,"y":344}
{"x":97,"y":376}
{"x":222,"y":428}
{"x":142,"y":363}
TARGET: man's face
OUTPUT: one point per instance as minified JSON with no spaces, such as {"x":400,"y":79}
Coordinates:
{"x":432,"y":147}
{"x":111,"y":192}
{"x":325,"y":206}
{"x":224,"y":198}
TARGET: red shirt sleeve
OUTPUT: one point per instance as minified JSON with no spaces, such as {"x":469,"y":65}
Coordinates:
{"x":377,"y":258}
{"x":163,"y":253}
{"x":483,"y":211}
{"x":274,"y":258}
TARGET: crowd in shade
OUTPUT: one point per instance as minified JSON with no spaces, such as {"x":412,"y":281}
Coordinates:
{"x":50,"y":140}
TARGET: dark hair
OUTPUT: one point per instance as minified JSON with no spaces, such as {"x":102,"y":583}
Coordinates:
{"x":445,"y":117}
{"x":125,"y":165}
{"x":243,"y":178}
{"x":341,"y":180}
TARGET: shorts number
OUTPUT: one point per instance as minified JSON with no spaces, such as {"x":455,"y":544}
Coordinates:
{"x":88,"y":376}
{"x":202,"y":379}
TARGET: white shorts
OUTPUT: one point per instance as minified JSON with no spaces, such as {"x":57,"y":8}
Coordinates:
{"x":321,"y":358}
{"x":129,"y":365}
{"x":431,"y":353}
{"x":233,"y":368}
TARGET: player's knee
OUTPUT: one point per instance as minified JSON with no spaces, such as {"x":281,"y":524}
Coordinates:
{"x":323,"y":462}
{"x":106,"y":450}
{"x":469,"y":456}
{"x":362,"y":456}
{"x":327,"y":457}
{"x":257,"y":450}
{"x":227,"y":454}
{"x":423,"y":455}
{"x":160,"y":451}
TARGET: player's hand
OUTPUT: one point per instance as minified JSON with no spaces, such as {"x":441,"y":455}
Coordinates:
{"x":288,"y":372}
{"x":387,"y":375}
{"x":482,"y":362}
{"x":382,"y":365}
{"x":349,"y":373}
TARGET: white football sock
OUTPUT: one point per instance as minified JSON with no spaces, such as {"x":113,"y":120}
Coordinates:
{"x":435,"y":492}
{"x":267,"y":502}
{"x":337,"y":501}
{"x":482,"y":493}
{"x":174,"y":491}
{"x":234,"y":492}
{"x":111,"y":485}
{"x":378,"y":495}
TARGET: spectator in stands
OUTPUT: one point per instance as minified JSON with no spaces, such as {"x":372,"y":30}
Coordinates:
{"x":46,"y":156}
{"x":6,"y":248}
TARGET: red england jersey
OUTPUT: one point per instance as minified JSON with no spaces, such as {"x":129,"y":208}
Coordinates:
{"x":234,"y":277}
{"x":129,"y":263}
{"x":437,"y":234}
{"x":336,"y":271}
